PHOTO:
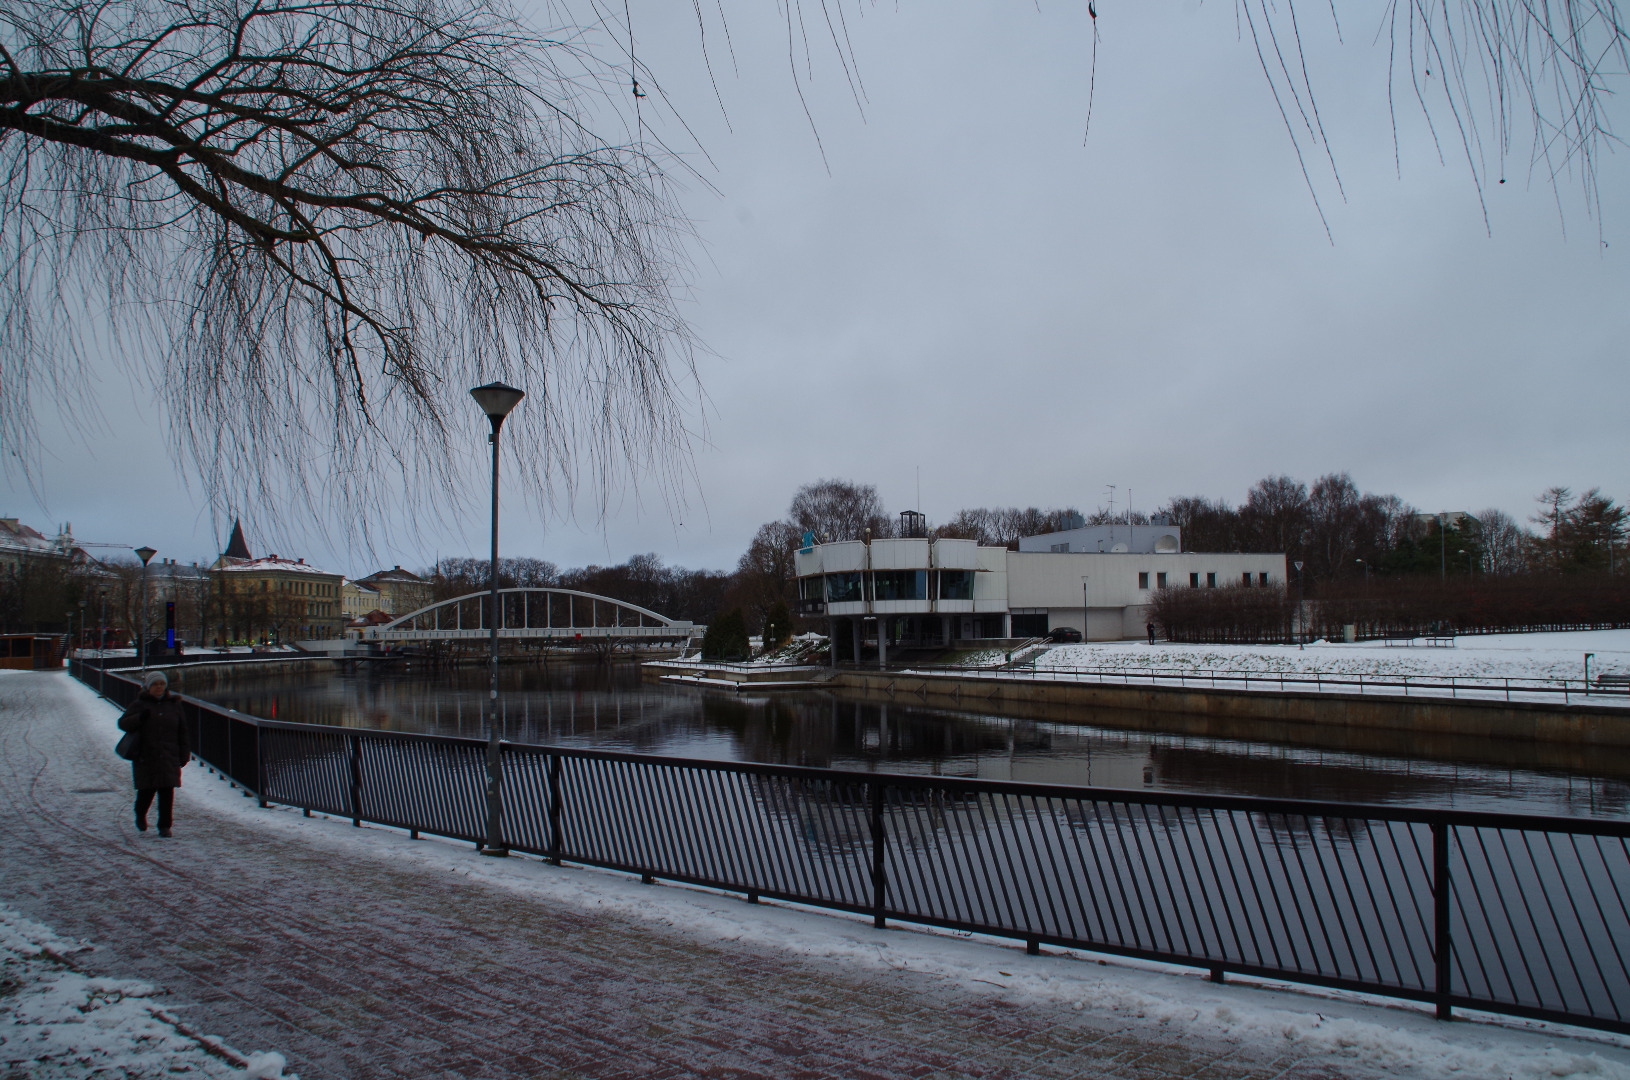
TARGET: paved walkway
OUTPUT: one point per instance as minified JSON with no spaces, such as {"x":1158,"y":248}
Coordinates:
{"x":361,"y":969}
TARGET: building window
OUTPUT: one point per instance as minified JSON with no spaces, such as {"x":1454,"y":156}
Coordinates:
{"x":843,"y":588}
{"x":1262,"y":579}
{"x":1245,"y":579}
{"x":809,"y":588}
{"x":900,"y":585}
{"x":1194,"y":581}
{"x":956,"y":585}
{"x":1059,"y":548}
{"x":1211,"y":581}
{"x":1143,"y":579}
{"x":1160,"y":580}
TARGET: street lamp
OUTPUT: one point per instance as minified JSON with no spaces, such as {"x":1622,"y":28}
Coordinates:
{"x":82,"y":602}
{"x":496,"y":400}
{"x":1301,"y":601}
{"x":145,"y":554}
{"x":1086,"y":611}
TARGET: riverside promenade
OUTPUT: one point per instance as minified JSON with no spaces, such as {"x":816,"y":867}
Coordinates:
{"x":362,"y":953}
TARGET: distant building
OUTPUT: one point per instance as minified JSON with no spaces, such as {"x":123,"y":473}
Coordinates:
{"x":1115,"y":539}
{"x":358,"y":600}
{"x":1454,"y":519}
{"x":274,"y":599}
{"x":400,"y":591}
{"x":20,"y":544}
{"x":939,"y":592}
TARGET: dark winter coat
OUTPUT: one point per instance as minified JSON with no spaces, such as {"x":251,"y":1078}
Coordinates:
{"x":166,"y":743}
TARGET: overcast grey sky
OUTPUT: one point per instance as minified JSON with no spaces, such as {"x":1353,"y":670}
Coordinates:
{"x":965,"y":286}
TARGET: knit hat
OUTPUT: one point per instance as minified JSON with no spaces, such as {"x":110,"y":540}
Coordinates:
{"x":155,"y":677}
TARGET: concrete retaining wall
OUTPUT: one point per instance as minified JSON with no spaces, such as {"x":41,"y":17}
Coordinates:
{"x":1578,"y":725}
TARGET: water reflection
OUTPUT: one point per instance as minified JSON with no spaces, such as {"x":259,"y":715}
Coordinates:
{"x":612,"y":708}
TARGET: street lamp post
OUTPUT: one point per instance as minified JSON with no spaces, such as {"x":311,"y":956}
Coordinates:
{"x":496,"y":400}
{"x":1443,"y":547}
{"x":1086,"y":611}
{"x":102,"y":647}
{"x":145,"y":554}
{"x":1301,"y":601}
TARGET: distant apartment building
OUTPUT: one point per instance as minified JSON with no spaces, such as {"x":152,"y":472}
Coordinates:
{"x":274,"y":598}
{"x":358,"y":600}
{"x":400,"y":591}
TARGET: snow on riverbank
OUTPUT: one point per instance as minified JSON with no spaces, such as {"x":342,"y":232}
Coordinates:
{"x":1354,"y":1033}
{"x":57,"y":1022}
{"x":1491,"y":656}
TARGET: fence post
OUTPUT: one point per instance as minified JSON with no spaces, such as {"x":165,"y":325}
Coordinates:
{"x":556,"y":804}
{"x":260,"y":765}
{"x":356,"y":780}
{"x":879,"y":838}
{"x":494,"y":844}
{"x":1441,"y":945}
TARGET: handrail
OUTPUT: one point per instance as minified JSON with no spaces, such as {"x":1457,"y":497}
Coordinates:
{"x":1458,"y":908}
{"x":1275,"y":680}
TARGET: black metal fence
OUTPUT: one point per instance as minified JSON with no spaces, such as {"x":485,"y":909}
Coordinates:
{"x":1512,"y":914}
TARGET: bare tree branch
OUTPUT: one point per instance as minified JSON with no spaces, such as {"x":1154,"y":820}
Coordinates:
{"x":317,"y":223}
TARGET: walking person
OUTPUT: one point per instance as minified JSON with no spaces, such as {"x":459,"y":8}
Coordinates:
{"x":157,"y":719}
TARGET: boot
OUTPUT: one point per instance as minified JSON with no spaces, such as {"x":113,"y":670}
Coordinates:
{"x":164,"y":833}
{"x":141,"y":823}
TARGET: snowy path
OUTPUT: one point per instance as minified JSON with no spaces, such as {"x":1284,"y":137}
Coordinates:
{"x":361,"y":953}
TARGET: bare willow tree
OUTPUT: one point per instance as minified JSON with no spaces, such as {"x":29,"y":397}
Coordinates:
{"x":314,"y":224}
{"x":1484,"y":73}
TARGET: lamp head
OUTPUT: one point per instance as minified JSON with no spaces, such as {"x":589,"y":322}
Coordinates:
{"x":145,"y":554}
{"x":496,"y":399}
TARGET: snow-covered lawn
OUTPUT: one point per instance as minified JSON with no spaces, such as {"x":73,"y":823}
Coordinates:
{"x":58,"y":1022}
{"x":1491,"y":656}
{"x":1390,"y":1038}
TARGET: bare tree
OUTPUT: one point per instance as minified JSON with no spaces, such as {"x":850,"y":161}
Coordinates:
{"x":839,"y":510}
{"x":316,"y":224}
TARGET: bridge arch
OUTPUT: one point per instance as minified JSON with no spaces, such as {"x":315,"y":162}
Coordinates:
{"x":533,"y":614}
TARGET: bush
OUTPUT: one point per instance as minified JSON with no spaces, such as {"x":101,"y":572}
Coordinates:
{"x":1473,"y":605}
{"x":1233,"y":614}
{"x":726,"y":638}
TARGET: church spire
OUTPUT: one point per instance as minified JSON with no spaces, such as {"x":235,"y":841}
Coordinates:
{"x":237,"y":548}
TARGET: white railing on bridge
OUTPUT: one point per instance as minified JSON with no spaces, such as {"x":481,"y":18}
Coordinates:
{"x":538,"y":614}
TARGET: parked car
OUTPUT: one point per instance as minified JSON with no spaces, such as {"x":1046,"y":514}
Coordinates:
{"x":1064,"y":635}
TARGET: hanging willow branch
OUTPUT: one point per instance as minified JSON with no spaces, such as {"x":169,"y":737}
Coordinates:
{"x":316,"y":224}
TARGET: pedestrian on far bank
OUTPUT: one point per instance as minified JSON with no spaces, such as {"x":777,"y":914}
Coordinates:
{"x":166,"y":746}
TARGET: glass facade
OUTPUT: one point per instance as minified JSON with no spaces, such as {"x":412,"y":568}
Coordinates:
{"x":843,"y":588}
{"x":900,"y":585}
{"x":956,"y":585}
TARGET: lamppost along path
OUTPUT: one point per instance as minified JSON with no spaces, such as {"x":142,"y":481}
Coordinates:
{"x":145,"y":554}
{"x":496,"y":400}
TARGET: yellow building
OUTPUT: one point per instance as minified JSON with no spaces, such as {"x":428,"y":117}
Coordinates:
{"x":277,"y":599}
{"x":400,"y":591}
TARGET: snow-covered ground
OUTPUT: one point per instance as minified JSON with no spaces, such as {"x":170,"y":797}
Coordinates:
{"x":57,"y":1022}
{"x":1394,"y":1039}
{"x":1491,"y":656}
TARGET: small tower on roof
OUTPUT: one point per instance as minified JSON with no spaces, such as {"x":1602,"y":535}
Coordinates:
{"x":237,"y":547}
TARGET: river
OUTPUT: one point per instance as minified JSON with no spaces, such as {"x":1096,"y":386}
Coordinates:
{"x":588,"y":705}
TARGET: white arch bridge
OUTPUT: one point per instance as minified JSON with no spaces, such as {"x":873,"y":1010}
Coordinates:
{"x":564,"y":615}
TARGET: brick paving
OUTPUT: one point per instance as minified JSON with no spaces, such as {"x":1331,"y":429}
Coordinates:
{"x":363,"y":969}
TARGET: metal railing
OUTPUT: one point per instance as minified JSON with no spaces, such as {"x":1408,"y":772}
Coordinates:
{"x":1569,"y":691}
{"x":1521,"y":915}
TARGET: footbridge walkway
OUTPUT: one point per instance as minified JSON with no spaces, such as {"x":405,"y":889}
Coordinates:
{"x":535,"y":615}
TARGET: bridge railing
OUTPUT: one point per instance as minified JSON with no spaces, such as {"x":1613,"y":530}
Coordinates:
{"x":1522,"y":915}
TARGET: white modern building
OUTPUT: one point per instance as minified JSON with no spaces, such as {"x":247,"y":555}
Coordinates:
{"x":939,"y":592}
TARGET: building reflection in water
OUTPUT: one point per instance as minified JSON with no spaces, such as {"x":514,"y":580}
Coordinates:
{"x":587,"y":705}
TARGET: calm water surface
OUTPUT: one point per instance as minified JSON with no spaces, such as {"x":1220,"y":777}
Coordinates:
{"x":614,"y":709}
